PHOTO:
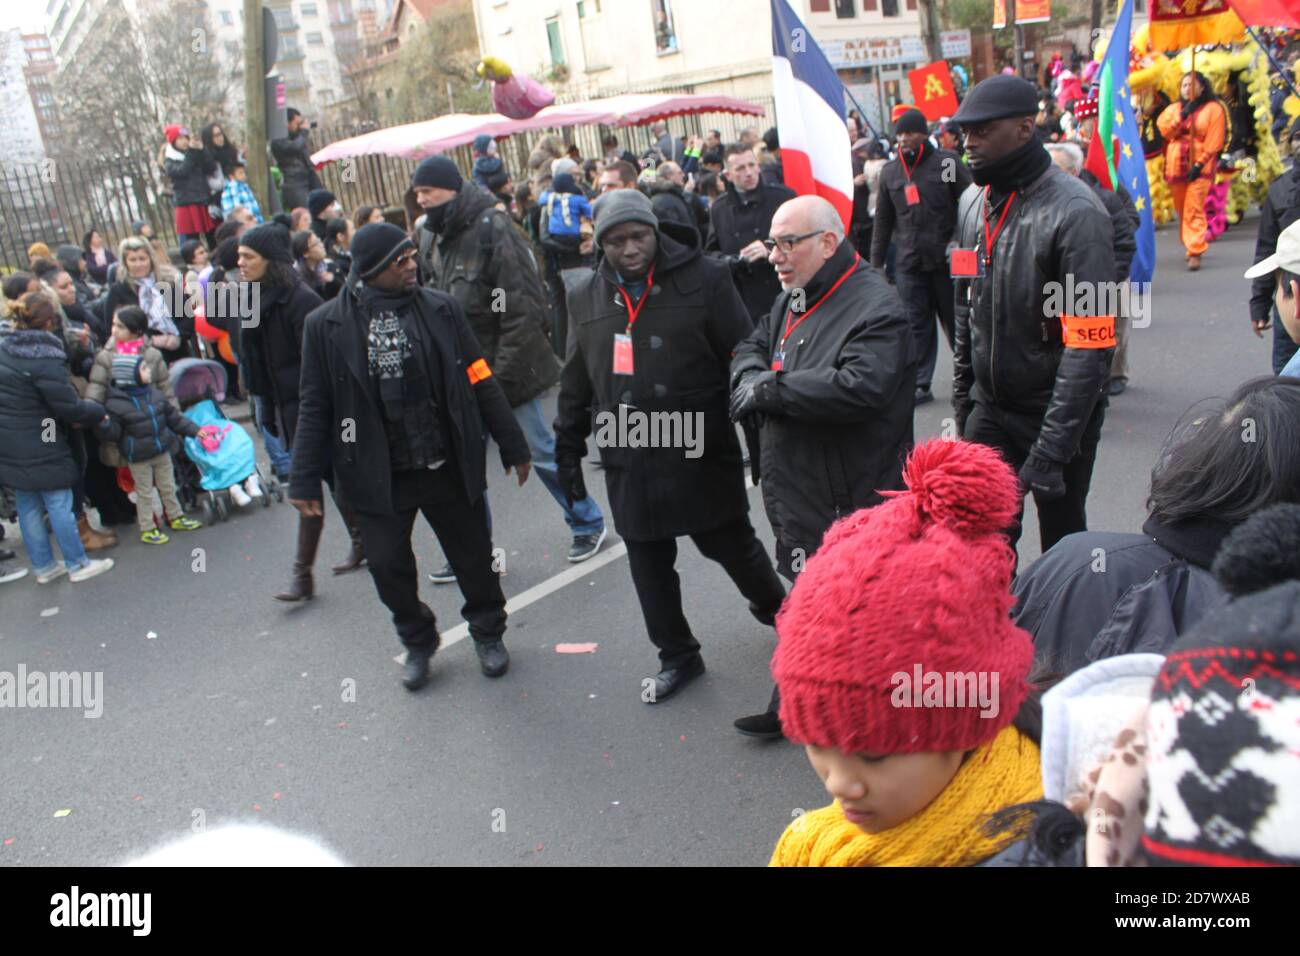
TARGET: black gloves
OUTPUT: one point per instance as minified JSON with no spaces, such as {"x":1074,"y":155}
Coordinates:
{"x":1194,"y":173}
{"x":569,"y":475}
{"x":1043,"y":477}
{"x":962,"y":412}
{"x":747,"y":397}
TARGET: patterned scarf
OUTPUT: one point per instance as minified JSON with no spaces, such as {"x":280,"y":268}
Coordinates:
{"x":948,"y":832}
{"x":387,"y":351}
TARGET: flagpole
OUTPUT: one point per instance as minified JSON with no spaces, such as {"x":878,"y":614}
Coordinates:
{"x":1281,"y":70}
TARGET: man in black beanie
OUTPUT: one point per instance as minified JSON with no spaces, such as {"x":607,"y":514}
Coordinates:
{"x":396,"y":397}
{"x":1032,"y":349}
{"x":916,"y":209}
{"x":475,"y":252}
{"x":323,"y":207}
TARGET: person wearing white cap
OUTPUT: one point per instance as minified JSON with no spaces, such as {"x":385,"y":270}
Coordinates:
{"x":1285,"y":265}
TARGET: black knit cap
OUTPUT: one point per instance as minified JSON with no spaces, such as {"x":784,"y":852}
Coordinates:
{"x":997,"y":98}
{"x":270,"y":241}
{"x":318,"y":200}
{"x":913,"y":121}
{"x":437,"y":171}
{"x":375,"y":245}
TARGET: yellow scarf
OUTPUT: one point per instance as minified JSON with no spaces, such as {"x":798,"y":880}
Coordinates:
{"x":949,"y":832}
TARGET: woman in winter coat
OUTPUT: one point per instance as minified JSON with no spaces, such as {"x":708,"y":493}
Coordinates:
{"x":225,"y":156}
{"x":157,"y":288}
{"x":98,"y":256}
{"x":37,"y":406}
{"x":320,"y":274}
{"x":273,"y":360}
{"x":188,"y":167}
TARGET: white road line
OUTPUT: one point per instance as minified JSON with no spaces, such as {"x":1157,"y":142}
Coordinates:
{"x":549,"y":586}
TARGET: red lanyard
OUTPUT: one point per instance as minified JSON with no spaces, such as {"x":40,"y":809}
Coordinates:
{"x":903,"y":162}
{"x":992,"y":237}
{"x":790,"y":312}
{"x":634,"y":310}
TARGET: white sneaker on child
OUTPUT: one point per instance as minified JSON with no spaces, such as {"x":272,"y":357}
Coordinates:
{"x":252,"y":486}
{"x":237,"y":495}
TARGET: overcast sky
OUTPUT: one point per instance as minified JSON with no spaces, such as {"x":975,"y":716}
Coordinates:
{"x":28,"y":15}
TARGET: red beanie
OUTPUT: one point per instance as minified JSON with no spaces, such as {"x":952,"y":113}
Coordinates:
{"x":898,"y":110}
{"x":173,"y":131}
{"x":913,"y":588}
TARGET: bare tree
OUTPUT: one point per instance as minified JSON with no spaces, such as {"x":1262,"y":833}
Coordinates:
{"x":444,"y":50}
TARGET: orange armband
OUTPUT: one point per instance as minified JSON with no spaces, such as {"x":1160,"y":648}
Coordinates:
{"x":1088,"y":332}
{"x":477,"y":371}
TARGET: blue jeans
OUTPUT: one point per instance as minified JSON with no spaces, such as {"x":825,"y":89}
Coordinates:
{"x":585,"y":516}
{"x":280,"y":459}
{"x":32,"y":507}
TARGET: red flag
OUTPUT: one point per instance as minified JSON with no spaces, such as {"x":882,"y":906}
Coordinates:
{"x":1096,"y":161}
{"x":932,"y":90}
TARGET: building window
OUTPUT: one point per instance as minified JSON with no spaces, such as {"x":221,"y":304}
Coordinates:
{"x":889,"y":8}
{"x":556,"y":42}
{"x":226,"y":19}
{"x":844,"y":9}
{"x":307,"y":10}
{"x":315,"y":39}
{"x":665,"y":27}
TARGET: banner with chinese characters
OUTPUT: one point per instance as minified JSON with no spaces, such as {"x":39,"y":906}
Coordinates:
{"x":1033,"y":11}
{"x":1181,"y":23}
{"x":999,"y":14}
{"x":932,"y":90}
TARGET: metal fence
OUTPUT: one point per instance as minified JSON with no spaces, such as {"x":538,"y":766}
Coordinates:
{"x":57,"y":202}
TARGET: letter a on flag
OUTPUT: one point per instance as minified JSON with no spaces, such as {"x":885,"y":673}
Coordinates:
{"x":932,"y":90}
{"x":815,"y":147}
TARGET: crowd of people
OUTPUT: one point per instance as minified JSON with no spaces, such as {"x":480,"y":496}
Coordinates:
{"x":689,"y":280}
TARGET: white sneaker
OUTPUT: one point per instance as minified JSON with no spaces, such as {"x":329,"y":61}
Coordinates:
{"x":56,"y":572}
{"x":252,"y":486}
{"x":12,"y":574}
{"x":92,"y":568}
{"x":238,"y":497}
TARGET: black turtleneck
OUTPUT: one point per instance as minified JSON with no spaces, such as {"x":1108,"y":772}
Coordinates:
{"x":829,"y":273}
{"x":1016,"y":170}
{"x":1195,"y":540}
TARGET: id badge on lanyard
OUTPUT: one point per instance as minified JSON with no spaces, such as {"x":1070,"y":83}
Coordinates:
{"x":622,"y":354}
{"x":912,"y":194}
{"x":623,"y":362}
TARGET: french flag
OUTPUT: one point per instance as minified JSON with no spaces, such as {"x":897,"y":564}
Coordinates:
{"x":809,"y":97}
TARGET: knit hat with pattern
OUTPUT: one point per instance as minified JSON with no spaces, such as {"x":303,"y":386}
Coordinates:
{"x":897,"y":637}
{"x":1223,"y":728}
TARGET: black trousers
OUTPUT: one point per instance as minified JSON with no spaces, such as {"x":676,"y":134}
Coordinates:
{"x":462,"y":531}
{"x":924,"y":295}
{"x":1013,"y":435}
{"x":659,"y":589}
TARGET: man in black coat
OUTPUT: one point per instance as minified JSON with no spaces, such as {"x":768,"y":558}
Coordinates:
{"x":1030,"y":367}
{"x":916,"y":209}
{"x":653,"y":329}
{"x":1281,"y":208}
{"x":475,"y":253}
{"x":829,"y":376}
{"x":396,"y":397}
{"x":738,"y":223}
{"x":1124,"y":222}
{"x":293,"y":156}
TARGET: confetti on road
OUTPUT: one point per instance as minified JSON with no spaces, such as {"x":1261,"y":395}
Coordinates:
{"x":151,"y":636}
{"x":683,"y":738}
{"x":9,"y":842}
{"x":576,"y":648}
{"x":276,"y":795}
{"x":257,"y":807}
{"x":541,"y":847}
{"x":50,"y":612}
{"x":342,"y":723}
{"x":269,"y":721}
{"x":138,"y":797}
{"x":61,"y":813}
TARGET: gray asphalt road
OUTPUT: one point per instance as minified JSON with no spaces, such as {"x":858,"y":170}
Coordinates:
{"x":221,"y":705}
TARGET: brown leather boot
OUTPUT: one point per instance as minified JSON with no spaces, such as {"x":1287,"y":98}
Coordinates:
{"x":356,"y":554}
{"x":1193,"y":263}
{"x":300,"y":585}
{"x":93,"y":540}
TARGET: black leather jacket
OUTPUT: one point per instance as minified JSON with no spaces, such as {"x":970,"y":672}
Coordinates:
{"x":1009,"y":350}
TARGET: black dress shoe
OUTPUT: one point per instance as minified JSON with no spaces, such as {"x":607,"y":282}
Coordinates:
{"x":764,"y":726}
{"x":764,"y":617}
{"x":415,"y":673}
{"x":493,"y":657}
{"x":670,"y":680}
{"x":923,"y":396}
{"x":1117,"y":386}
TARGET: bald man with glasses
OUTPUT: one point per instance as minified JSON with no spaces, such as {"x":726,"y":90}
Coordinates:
{"x":828,"y":379}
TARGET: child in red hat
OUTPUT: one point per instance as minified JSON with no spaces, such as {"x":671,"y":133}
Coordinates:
{"x":902,"y":675}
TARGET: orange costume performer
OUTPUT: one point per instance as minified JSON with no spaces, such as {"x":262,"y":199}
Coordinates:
{"x":1194,"y":130}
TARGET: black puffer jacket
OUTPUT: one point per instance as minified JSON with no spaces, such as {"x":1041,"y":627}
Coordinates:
{"x":272,"y":351}
{"x":922,"y":232}
{"x":337,"y":386}
{"x":682,"y":344}
{"x":189,"y":175}
{"x":845,"y":393}
{"x":485,"y":263}
{"x":1008,"y":347}
{"x":35,"y":390}
{"x":733,"y":224}
{"x":143,"y":423}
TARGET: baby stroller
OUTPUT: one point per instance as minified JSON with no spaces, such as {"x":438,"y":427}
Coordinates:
{"x":206,"y":476}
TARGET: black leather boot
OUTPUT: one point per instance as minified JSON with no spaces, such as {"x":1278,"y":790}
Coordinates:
{"x":300,"y":585}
